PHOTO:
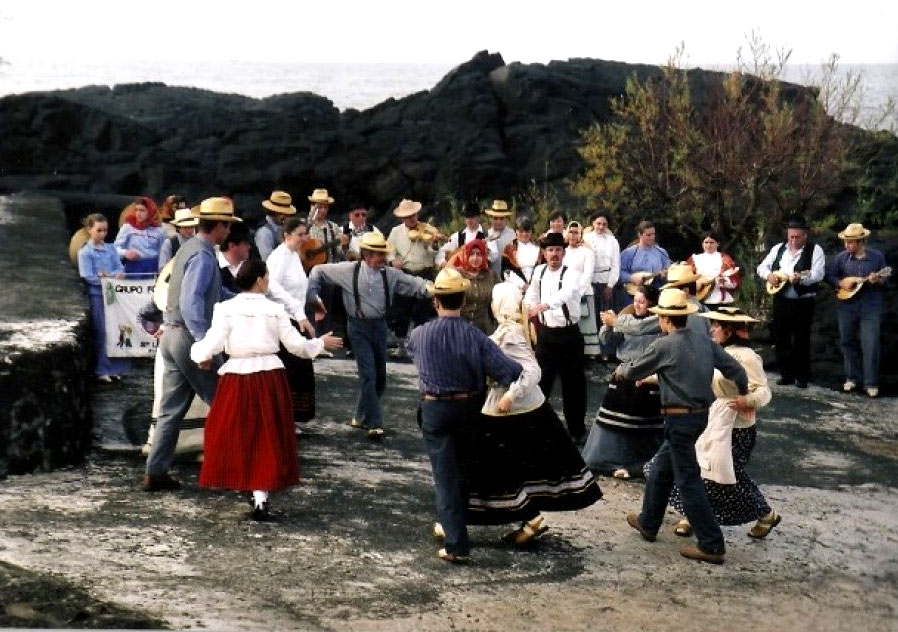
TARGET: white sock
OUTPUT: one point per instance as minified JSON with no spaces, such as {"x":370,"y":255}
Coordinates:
{"x":259,"y":497}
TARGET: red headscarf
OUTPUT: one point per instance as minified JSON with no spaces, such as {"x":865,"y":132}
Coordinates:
{"x":462,"y":262}
{"x":152,"y":217}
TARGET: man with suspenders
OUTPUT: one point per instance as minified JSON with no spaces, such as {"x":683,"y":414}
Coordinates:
{"x":368,"y":287}
{"x":554,"y":297}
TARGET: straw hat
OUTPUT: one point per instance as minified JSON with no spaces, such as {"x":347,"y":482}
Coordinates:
{"x":280,"y":202}
{"x":374,"y":242}
{"x":498,"y":209}
{"x":218,"y":209}
{"x":673,"y":302}
{"x":448,"y":281}
{"x":81,"y":237}
{"x":184,"y":217}
{"x":729,"y":315}
{"x":680,"y":274}
{"x":407,"y":208}
{"x":320,"y":196}
{"x":854,"y":231}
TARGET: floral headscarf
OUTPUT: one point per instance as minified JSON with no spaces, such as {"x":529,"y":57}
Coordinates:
{"x":462,"y":261}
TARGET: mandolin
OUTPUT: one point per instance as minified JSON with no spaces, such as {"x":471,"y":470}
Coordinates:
{"x":704,"y":285}
{"x":783,"y":280}
{"x":844,"y":295}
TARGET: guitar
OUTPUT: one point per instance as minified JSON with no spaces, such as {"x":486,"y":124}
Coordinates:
{"x":638,"y":279}
{"x":783,"y":280}
{"x":314,"y":251}
{"x":705,"y":285}
{"x":844,"y":295}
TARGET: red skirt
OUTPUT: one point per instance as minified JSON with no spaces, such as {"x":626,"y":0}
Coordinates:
{"x":250,"y":441}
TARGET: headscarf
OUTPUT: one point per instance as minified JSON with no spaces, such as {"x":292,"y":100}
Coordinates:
{"x":152,"y":217}
{"x":506,"y":306}
{"x":462,"y":262}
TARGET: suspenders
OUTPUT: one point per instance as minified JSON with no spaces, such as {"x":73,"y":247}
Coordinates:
{"x":355,"y":290}
{"x":564,"y":309}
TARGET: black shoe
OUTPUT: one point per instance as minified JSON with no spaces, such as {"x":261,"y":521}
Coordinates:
{"x":786,"y":381}
{"x":261,"y":512}
{"x":160,"y":482}
{"x":801,"y":383}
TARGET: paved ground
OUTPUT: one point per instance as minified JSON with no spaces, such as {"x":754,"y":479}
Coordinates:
{"x":350,"y":547}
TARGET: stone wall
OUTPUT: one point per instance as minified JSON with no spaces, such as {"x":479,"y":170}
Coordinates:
{"x":46,"y":349}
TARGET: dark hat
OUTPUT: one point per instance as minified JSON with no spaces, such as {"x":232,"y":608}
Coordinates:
{"x":471,"y":209}
{"x":552,"y":239}
{"x":799,"y":222}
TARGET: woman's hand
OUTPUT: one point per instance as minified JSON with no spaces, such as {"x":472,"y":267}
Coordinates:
{"x":132,"y":255}
{"x":504,"y":404}
{"x":332,"y":342}
{"x":306,"y":327}
{"x":740,"y":405}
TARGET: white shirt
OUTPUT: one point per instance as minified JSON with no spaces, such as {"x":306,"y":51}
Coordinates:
{"x":496,"y":241}
{"x":250,"y":328}
{"x":452,"y":244}
{"x":545,"y":290}
{"x":607,"y":251}
{"x":583,"y":260}
{"x":527,"y":255}
{"x":525,"y":392}
{"x":708,"y":265}
{"x":285,"y":272}
{"x":787,"y":265}
{"x":356,"y":238}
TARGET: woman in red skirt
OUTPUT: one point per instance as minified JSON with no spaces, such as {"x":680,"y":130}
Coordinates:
{"x":250,"y":443}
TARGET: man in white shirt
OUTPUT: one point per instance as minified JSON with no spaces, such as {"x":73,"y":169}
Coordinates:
{"x":472,"y":230}
{"x":554,"y":298}
{"x":356,"y":226}
{"x":580,"y":257}
{"x":499,"y":234}
{"x":793,"y":306}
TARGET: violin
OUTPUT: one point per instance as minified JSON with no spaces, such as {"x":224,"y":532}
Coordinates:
{"x":426,"y":233}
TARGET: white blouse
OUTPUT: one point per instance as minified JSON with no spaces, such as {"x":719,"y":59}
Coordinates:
{"x":527,"y":255}
{"x":607,"y":251}
{"x":709,"y":266}
{"x":285,"y":269}
{"x":250,"y":328}
{"x":583,"y":260}
{"x":525,"y":392}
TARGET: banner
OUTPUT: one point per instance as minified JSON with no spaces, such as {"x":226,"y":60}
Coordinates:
{"x":129,"y":333}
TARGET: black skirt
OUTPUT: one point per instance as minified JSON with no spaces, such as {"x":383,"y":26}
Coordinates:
{"x":301,"y":378}
{"x":628,"y":429}
{"x":519,"y":465}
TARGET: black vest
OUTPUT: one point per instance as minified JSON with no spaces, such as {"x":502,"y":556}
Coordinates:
{"x":803,"y":263}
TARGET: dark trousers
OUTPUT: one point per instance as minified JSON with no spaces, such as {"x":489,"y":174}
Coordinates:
{"x":369,"y":344}
{"x":675,"y":464}
{"x":446,"y":426}
{"x":411,"y":308}
{"x":559,"y":352}
{"x":791,"y":325}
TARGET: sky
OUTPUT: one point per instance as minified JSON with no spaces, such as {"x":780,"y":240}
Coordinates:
{"x":424,"y":31}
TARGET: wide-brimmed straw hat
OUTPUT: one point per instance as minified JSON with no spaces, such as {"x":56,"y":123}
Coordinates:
{"x":680,"y":274}
{"x":673,"y":302}
{"x":374,"y":242}
{"x":280,"y":202}
{"x":184,"y":218}
{"x":498,"y":209}
{"x":448,"y":281}
{"x":854,"y":231}
{"x":320,"y":196}
{"x":407,"y":208}
{"x":729,"y":315}
{"x":218,"y":209}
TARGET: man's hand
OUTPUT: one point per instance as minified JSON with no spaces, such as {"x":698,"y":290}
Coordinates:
{"x":396,"y":263}
{"x":504,"y":404}
{"x":848,"y":284}
{"x":607,"y":293}
{"x":205,"y":365}
{"x":306,"y":327}
{"x":320,"y":311}
{"x":772,"y":279}
{"x":609,"y":318}
{"x":538,"y":309}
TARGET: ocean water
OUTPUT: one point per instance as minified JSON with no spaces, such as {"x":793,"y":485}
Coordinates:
{"x":357,"y":85}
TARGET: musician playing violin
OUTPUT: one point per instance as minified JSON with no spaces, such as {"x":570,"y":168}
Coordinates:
{"x":793,"y":307}
{"x":414,"y":245}
{"x":859,"y":315}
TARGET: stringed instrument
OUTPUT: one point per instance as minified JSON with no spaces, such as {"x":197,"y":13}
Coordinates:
{"x":783,"y":280}
{"x":844,"y":295}
{"x":314,"y":252}
{"x":641,"y":278}
{"x":426,"y":233}
{"x":705,"y":285}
